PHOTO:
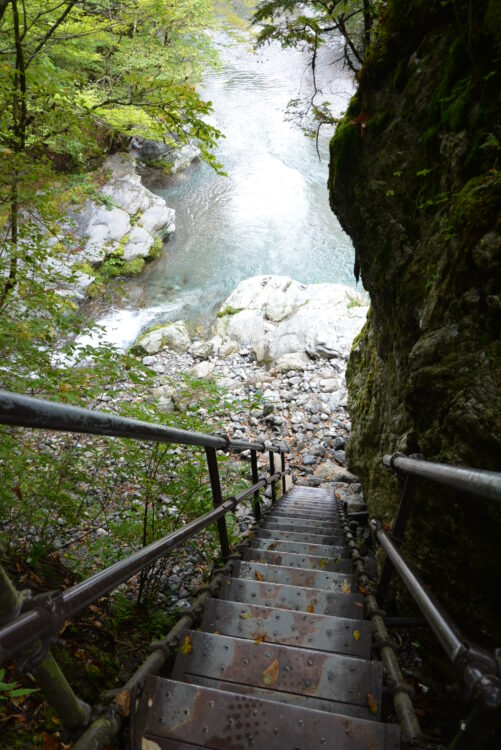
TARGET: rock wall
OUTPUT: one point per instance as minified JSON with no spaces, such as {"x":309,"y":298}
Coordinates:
{"x":415,"y":181}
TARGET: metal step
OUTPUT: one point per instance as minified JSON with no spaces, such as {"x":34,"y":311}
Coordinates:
{"x":312,"y":492}
{"x":291,"y":536}
{"x":298,"y":548}
{"x":285,"y":524}
{"x":311,"y":523}
{"x":331,"y":678}
{"x":336,"y":635}
{"x":312,"y":515}
{"x":179,"y":716}
{"x":291,"y":560}
{"x":297,"y":598}
{"x":315,"y":579}
{"x":299,"y":503}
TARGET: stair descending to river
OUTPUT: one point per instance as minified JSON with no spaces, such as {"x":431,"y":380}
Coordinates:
{"x":283,"y":657}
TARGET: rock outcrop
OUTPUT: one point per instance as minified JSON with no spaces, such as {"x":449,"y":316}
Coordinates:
{"x":126,"y":222}
{"x":289,"y":324}
{"x":415,"y":181}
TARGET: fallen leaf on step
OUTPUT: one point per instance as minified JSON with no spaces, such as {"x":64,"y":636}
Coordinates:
{"x":323,"y":564}
{"x":356,"y":635}
{"x":187,"y":646}
{"x":259,"y":576}
{"x":260,"y":639}
{"x":245,"y":615}
{"x":372,"y":703}
{"x":310,"y":608}
{"x":346,"y":587}
{"x":122,"y":700}
{"x":271,"y":673}
{"x":364,"y":590}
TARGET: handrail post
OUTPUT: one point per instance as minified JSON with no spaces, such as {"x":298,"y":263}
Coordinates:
{"x":217,"y":499}
{"x":73,"y":712}
{"x":272,"y":471}
{"x":255,"y":478}
{"x":398,"y":532}
{"x":282,"y":459}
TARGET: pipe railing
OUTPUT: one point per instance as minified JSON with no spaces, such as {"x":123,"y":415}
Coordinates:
{"x":475,"y":481}
{"x":27,"y":624}
{"x":478,"y":670}
{"x":26,"y":411}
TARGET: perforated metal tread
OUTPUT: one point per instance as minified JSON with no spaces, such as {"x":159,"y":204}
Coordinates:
{"x":314,"y":562}
{"x":313,"y":579}
{"x":308,"y":524}
{"x":180,"y":716}
{"x":335,"y":635}
{"x":283,"y":637}
{"x":301,"y":527}
{"x":298,"y":548}
{"x":298,"y":536}
{"x":329,"y":678}
{"x":293,"y":597}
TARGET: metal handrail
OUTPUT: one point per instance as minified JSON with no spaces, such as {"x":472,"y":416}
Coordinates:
{"x":477,"y":482}
{"x":479,"y":671}
{"x":29,"y":624}
{"x":26,"y":411}
{"x":478,"y":668}
{"x":48,"y":616}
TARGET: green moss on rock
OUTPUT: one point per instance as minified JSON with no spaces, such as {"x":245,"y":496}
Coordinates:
{"x":420,"y":196}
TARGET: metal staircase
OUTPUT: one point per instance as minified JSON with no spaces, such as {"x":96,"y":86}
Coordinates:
{"x":283,"y":656}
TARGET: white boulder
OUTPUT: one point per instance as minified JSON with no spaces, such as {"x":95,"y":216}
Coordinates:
{"x":138,"y":244}
{"x":173,"y":336}
{"x":279,"y":318}
{"x":203,"y":370}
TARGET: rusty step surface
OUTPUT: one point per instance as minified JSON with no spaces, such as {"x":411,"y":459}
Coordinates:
{"x":313,"y":579}
{"x":298,"y":548}
{"x":298,"y":536}
{"x":292,"y":560}
{"x":257,"y":623}
{"x":179,"y":716}
{"x":285,"y":596}
{"x":317,"y":676}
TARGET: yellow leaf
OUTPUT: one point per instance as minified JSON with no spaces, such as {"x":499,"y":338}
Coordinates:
{"x":259,"y":576}
{"x":245,"y":615}
{"x":310,"y":608}
{"x":323,"y":564}
{"x":346,"y":588}
{"x":260,"y":639}
{"x":356,"y":635}
{"x":122,"y":700}
{"x":372,"y":703}
{"x":187,"y":646}
{"x":271,"y":673}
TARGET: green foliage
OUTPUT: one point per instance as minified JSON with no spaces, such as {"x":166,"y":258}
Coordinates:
{"x":76,"y":78}
{"x":311,"y":25}
{"x":156,"y":248}
{"x":9,"y":690}
{"x":229,"y":310}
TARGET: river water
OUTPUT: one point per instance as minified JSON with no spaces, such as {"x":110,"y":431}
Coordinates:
{"x":270,"y":215}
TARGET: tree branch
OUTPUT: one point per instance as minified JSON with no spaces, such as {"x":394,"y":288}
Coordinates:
{"x":50,"y":32}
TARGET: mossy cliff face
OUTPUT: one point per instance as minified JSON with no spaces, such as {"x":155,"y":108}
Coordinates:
{"x":415,"y":179}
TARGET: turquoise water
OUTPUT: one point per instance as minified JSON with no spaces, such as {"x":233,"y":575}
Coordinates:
{"x":271,"y":215}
